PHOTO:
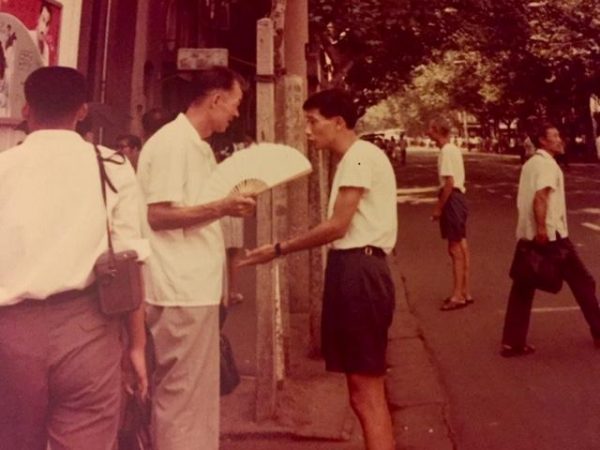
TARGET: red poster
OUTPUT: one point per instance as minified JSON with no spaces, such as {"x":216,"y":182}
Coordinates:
{"x":29,"y":36}
{"x":42,"y":18}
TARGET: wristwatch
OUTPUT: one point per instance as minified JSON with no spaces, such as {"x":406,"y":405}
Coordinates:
{"x":277,"y":248}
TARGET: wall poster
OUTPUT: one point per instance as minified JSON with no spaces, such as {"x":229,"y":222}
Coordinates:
{"x":29,"y":37}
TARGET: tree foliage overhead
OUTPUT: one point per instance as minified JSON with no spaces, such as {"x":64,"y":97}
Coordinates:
{"x":498,"y":59}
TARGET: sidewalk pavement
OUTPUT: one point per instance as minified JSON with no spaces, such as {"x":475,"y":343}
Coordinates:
{"x":313,"y":410}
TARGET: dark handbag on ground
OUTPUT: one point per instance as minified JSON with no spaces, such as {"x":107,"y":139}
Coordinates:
{"x":118,"y":274}
{"x":538,"y":265}
{"x":230,"y":376}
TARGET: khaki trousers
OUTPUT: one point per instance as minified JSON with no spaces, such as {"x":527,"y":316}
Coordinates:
{"x":185,"y":404}
{"x":60,"y":376}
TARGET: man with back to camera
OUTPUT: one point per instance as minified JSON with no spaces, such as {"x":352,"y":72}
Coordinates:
{"x":542,"y":212}
{"x":60,"y":367}
{"x":451,"y":211}
{"x":359,"y":298}
{"x":187,"y":263}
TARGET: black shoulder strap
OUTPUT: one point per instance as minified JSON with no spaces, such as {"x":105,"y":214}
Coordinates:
{"x":104,"y":180}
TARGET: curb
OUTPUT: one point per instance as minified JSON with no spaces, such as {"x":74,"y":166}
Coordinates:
{"x":416,"y":396}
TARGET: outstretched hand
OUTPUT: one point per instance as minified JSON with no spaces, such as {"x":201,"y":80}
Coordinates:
{"x":259,"y":255}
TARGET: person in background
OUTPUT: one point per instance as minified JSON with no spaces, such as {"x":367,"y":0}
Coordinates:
{"x":153,"y":120}
{"x":451,"y":211}
{"x":542,"y":217}
{"x":130,"y":146}
{"x":60,"y":357}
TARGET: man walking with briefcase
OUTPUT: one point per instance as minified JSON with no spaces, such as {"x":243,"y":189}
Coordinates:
{"x":543,"y":220}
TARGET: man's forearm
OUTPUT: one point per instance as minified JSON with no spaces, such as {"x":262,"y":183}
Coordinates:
{"x":445,"y":194}
{"x":169,"y":217}
{"x":135,"y":329}
{"x":322,"y":234}
{"x":540,"y":210}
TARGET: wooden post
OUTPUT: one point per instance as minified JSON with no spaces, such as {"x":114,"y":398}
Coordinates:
{"x":265,"y":286}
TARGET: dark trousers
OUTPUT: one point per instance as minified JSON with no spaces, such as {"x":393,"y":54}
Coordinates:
{"x":60,"y":375}
{"x":520,"y":300}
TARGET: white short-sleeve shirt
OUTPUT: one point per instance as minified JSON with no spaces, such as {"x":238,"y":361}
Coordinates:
{"x":539,"y":172}
{"x":376,"y":220}
{"x":53,"y":218}
{"x":450,"y":164}
{"x":186,"y":265}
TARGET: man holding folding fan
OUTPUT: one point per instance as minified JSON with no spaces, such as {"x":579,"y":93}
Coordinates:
{"x":358,"y":301}
{"x":187,"y":264}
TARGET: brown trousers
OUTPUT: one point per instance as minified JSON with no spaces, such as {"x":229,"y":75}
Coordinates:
{"x":60,"y":376}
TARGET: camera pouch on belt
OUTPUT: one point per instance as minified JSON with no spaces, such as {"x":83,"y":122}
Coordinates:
{"x":118,"y":274}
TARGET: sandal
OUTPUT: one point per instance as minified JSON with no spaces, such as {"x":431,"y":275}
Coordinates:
{"x":508,"y":351}
{"x":451,"y":305}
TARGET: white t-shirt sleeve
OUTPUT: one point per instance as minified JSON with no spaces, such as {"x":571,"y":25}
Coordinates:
{"x":447,"y":164}
{"x":165,"y":177}
{"x":355,"y":171}
{"x":545,"y":177}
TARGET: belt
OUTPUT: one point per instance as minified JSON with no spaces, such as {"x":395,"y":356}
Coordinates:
{"x":367,"y":250}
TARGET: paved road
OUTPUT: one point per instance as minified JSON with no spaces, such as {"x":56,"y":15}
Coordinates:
{"x":547,"y":401}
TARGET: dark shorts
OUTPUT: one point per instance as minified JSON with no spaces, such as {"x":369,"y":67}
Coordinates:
{"x":453,"y":221}
{"x":358,"y":305}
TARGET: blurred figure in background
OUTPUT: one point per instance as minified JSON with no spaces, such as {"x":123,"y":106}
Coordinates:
{"x":130,"y":146}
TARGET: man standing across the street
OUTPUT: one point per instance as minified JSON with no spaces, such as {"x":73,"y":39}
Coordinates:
{"x":358,"y":301}
{"x":451,"y":211}
{"x":543,"y":218}
{"x":187,"y":263}
{"x":60,"y":357}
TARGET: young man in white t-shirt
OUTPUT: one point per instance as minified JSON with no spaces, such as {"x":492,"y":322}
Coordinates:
{"x":358,"y":300}
{"x":451,"y":211}
{"x":543,"y":218}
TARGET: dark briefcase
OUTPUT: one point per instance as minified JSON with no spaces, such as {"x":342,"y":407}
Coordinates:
{"x":538,"y":265}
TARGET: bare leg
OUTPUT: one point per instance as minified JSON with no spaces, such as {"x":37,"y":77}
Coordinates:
{"x":367,"y":398}
{"x":458,"y":269}
{"x":466,"y":292}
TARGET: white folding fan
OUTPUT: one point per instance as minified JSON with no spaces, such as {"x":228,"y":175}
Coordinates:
{"x":255,"y":169}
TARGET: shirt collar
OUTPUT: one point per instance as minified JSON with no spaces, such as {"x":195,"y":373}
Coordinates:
{"x":45,"y":136}
{"x":186,"y":127}
{"x":544,"y":153}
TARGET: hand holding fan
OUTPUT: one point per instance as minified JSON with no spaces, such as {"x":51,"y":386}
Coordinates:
{"x":255,"y":169}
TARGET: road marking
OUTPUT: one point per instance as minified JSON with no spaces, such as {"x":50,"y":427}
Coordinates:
{"x":418,"y":190}
{"x":549,"y":309}
{"x":415,"y":200}
{"x":591,"y":226}
{"x":555,"y":309}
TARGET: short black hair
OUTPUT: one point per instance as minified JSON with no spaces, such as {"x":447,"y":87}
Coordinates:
{"x":214,"y":78}
{"x":131,"y":139}
{"x":55,"y":93}
{"x":334,"y":102}
{"x":539,"y":130}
